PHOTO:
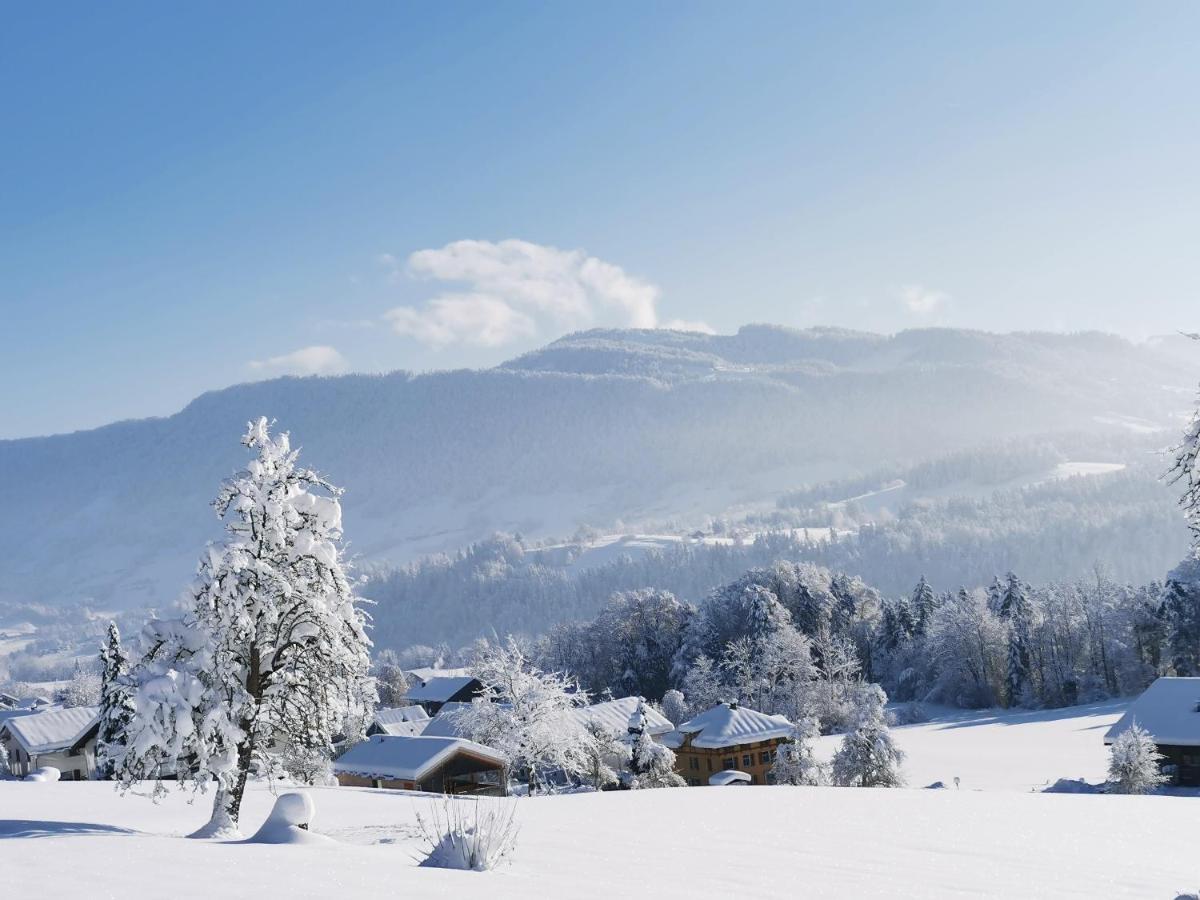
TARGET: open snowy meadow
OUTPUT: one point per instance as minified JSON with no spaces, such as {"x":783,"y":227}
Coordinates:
{"x":996,"y":836}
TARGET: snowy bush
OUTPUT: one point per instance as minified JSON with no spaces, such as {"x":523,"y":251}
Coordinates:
{"x":5,"y":771}
{"x":913,"y":713}
{"x":469,"y":835}
{"x":308,"y":765}
{"x":1133,"y":764}
{"x":868,"y":757}
{"x":604,"y":756}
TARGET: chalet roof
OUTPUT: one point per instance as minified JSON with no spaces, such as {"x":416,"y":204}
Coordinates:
{"x":425,"y":673}
{"x":614,"y":715}
{"x":1169,"y":709}
{"x":445,"y":723}
{"x":392,"y":715}
{"x":407,"y":758}
{"x":729,"y":725}
{"x":439,"y":690}
{"x":56,"y":729}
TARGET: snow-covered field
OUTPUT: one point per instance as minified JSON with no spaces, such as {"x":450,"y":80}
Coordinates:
{"x":992,"y":838}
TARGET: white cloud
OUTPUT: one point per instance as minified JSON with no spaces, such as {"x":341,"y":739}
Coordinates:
{"x":922,"y":301}
{"x":318,"y":360}
{"x":518,"y":289}
{"x":479,"y":319}
{"x":686,"y":325}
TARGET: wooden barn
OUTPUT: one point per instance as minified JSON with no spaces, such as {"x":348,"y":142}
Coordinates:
{"x":727,"y":738}
{"x":1170,"y":711}
{"x":443,"y":765}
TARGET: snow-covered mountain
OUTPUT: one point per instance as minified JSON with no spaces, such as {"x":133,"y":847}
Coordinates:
{"x":595,"y":428}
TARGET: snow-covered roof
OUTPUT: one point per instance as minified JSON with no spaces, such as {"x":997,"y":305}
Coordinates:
{"x":439,"y":689}
{"x":424,"y":673}
{"x":614,"y":715}
{"x":395,"y":714}
{"x":1169,"y":709}
{"x":727,"y":777}
{"x":405,"y":729}
{"x":407,"y":758}
{"x":56,"y":729}
{"x":445,"y":723}
{"x":729,"y":725}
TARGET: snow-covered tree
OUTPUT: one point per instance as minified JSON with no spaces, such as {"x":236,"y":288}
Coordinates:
{"x":652,"y":764}
{"x":702,"y":686}
{"x":604,"y":756}
{"x":526,"y":714}
{"x":924,"y":602}
{"x":675,"y":707}
{"x":1185,"y":471}
{"x":5,"y":771}
{"x":116,"y":701}
{"x":868,"y":757}
{"x":795,"y":763}
{"x":1134,"y":763}
{"x":1016,"y":609}
{"x":82,"y":690}
{"x":1181,"y":609}
{"x":271,"y":653}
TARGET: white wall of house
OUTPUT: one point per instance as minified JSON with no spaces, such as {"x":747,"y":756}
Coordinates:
{"x":73,"y":766}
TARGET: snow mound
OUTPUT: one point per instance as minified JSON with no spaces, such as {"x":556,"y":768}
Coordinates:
{"x":289,"y":822}
{"x":1073,"y":786}
{"x":45,"y":773}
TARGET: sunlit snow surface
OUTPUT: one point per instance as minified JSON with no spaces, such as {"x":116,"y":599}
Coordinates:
{"x":992,"y":838}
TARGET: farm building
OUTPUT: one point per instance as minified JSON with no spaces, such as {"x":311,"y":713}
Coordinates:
{"x":728,"y":737}
{"x":436,"y":692}
{"x":1170,"y":711}
{"x":62,"y":738}
{"x":615,"y":717}
{"x":438,"y":764}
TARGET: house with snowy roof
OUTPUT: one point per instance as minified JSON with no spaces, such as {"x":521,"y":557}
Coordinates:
{"x":440,"y":690}
{"x":1170,"y":711}
{"x":399,"y":721}
{"x":727,"y":738}
{"x":62,"y":738}
{"x":445,"y":765}
{"x":422,"y":674}
{"x":616,"y":715}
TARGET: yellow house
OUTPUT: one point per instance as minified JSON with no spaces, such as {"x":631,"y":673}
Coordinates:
{"x":727,"y":738}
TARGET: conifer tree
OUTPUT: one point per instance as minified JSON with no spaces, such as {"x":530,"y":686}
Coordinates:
{"x":116,"y":702}
{"x":924,"y":603}
{"x":652,"y":764}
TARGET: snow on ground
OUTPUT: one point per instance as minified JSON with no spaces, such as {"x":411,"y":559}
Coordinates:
{"x":999,"y":840}
{"x":1000,"y":750}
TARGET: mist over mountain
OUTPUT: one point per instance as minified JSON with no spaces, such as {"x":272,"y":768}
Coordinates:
{"x":597,"y":428}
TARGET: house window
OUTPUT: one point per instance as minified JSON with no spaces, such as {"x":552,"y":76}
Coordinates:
{"x":694,"y":763}
{"x":764,"y":758}
{"x":709,"y":759}
{"x":729,"y":763}
{"x":747,"y":759}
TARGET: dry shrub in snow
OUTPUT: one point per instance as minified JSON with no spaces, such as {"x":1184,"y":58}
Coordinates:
{"x":469,"y":835}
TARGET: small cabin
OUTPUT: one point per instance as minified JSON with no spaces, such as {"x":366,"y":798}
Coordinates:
{"x":443,"y":765}
{"x":437,"y":692}
{"x":62,"y":738}
{"x":728,"y":738}
{"x":1169,"y":710}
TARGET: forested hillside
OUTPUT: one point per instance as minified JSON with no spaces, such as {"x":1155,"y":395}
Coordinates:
{"x":596,"y":428}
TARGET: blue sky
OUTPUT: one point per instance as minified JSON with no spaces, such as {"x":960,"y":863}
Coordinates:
{"x":196,"y":195}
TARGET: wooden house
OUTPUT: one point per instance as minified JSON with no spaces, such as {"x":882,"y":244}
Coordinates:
{"x":1170,"y":711}
{"x":438,"y":764}
{"x":436,"y":692}
{"x":727,"y":738}
{"x":62,"y":738}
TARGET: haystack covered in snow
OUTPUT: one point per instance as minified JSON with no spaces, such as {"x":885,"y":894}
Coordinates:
{"x":444,"y":765}
{"x":400,"y":721}
{"x":64,"y":739}
{"x":727,"y":737}
{"x":1170,"y":711}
